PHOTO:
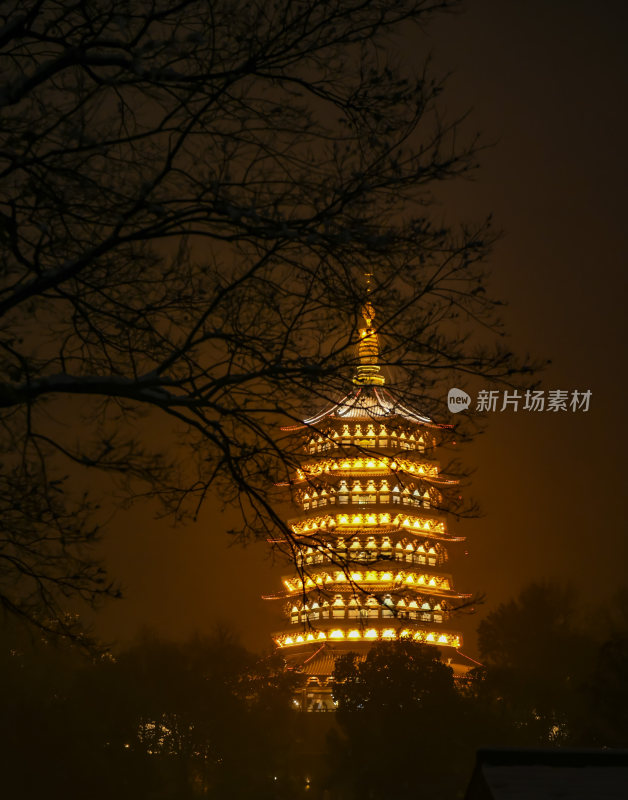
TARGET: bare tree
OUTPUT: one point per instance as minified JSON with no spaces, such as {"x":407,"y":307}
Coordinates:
{"x":191,"y":192}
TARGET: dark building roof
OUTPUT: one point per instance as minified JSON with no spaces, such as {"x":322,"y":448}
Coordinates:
{"x":559,"y":774}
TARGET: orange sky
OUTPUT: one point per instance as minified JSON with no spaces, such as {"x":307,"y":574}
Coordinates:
{"x":547,"y":82}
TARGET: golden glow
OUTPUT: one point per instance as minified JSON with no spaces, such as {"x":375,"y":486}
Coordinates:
{"x":366,"y":464}
{"x":358,"y":498}
{"x":373,"y":634}
{"x":438,"y":582}
{"x":408,"y":521}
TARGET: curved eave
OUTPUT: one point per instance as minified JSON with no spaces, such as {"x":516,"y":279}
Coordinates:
{"x":352,"y":406}
{"x":286,"y":595}
{"x":353,"y":530}
{"x":367,"y":635}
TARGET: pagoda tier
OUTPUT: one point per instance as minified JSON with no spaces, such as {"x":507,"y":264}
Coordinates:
{"x":370,"y":540}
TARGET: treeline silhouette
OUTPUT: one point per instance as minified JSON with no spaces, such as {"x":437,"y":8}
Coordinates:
{"x":207,"y":718}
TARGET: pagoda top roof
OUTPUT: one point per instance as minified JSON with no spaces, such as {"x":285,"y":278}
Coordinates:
{"x":372,"y":403}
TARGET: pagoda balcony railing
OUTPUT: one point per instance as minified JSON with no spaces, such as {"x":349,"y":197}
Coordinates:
{"x":365,"y":615}
{"x":365,"y":443}
{"x":365,"y":499}
{"x":350,"y":557}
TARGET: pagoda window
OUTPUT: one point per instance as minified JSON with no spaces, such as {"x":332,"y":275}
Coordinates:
{"x":387,"y":612}
{"x":343,"y":499}
{"x":314,"y":503}
{"x":372,"y":613}
{"x":306,"y":505}
{"x":425,"y":616}
{"x":384,"y":498}
{"x":354,"y":613}
{"x":313,"y":615}
{"x":338,"y":613}
{"x":383,"y":442}
{"x":366,"y":499}
{"x":438,"y":617}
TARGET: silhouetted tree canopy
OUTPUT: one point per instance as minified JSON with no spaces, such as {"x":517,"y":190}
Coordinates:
{"x":398,"y":706}
{"x":190,"y":194}
{"x":167,"y":719}
{"x":207,"y":718}
{"x":538,"y":651}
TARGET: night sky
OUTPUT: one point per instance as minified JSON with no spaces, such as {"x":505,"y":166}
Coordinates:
{"x":547,"y":82}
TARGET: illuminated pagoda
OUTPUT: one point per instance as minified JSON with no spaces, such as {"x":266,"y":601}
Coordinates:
{"x":371,"y":537}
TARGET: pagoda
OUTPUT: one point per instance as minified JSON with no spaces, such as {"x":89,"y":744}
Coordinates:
{"x":370,"y":540}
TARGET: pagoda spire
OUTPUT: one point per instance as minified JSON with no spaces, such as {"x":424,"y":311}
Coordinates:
{"x":368,"y":369}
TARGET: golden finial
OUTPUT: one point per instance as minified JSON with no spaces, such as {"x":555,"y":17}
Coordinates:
{"x":368,"y":346}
